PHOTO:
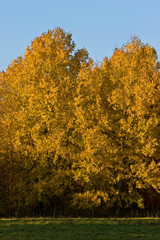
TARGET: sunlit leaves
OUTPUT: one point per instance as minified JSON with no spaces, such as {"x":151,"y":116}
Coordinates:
{"x":78,"y":133}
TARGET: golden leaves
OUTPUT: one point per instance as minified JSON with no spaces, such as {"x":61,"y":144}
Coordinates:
{"x":82,"y":132}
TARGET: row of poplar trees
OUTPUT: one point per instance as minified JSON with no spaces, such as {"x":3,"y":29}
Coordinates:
{"x":79,"y":138}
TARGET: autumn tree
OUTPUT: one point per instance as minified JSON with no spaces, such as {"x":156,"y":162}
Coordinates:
{"x":40,"y":91}
{"x":117,"y":109}
{"x":133,"y":75}
{"x":78,"y":135}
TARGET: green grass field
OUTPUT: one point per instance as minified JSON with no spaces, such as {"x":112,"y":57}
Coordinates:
{"x":79,"y":229}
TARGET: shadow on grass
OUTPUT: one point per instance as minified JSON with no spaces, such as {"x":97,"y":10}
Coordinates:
{"x":79,"y":229}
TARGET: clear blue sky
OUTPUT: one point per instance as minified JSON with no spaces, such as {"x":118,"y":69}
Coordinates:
{"x":97,"y":25}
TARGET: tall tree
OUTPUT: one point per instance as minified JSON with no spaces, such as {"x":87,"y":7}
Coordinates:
{"x":41,"y":88}
{"x":134,"y":99}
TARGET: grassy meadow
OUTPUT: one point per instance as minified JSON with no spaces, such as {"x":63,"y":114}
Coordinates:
{"x":79,"y":229}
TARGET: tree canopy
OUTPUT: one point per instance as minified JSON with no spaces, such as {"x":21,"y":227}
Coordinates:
{"x":80,"y":138}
